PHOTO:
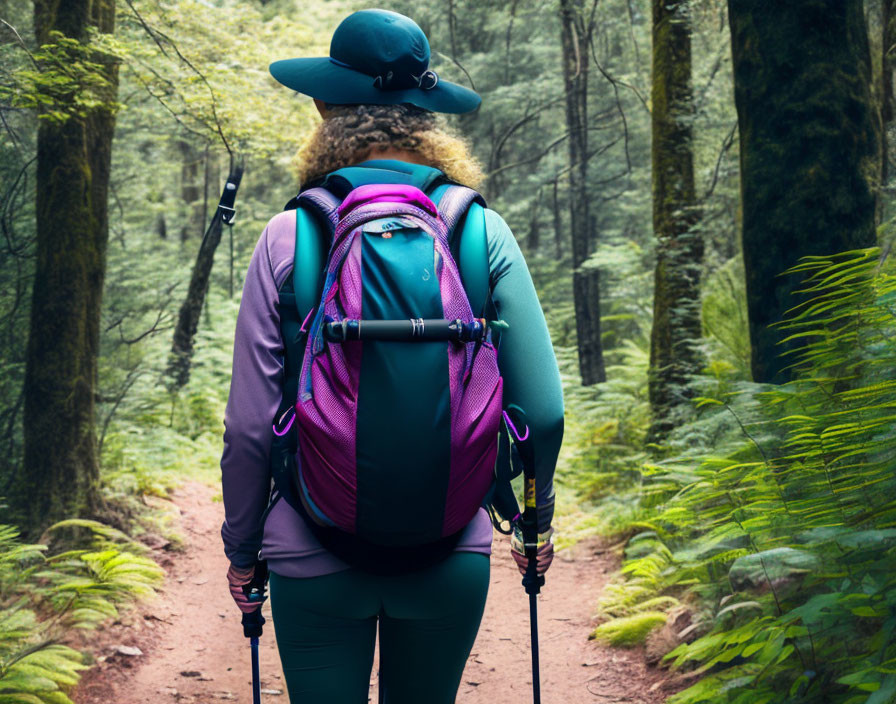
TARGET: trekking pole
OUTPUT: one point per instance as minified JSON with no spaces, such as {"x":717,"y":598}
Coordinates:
{"x":532,"y":581}
{"x":253,"y":623}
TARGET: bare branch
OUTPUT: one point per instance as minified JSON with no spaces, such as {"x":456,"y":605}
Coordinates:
{"x":132,"y":376}
{"x":525,"y":119}
{"x":170,"y":110}
{"x":631,"y":31}
{"x":628,"y":159}
{"x":530,"y":159}
{"x":589,"y":29}
{"x":717,"y":64}
{"x":726,"y":145}
{"x":616,"y":81}
{"x":21,"y":42}
{"x":452,"y":29}
{"x":595,"y":152}
{"x":157,"y":36}
{"x":8,"y":201}
{"x":12,"y":135}
{"x":507,"y":38}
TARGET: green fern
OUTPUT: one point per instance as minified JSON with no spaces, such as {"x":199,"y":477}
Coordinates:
{"x":629,"y":630}
{"x":77,"y":588}
{"x":794,"y":507}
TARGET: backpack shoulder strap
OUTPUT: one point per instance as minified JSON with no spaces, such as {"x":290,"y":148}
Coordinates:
{"x":316,"y":217}
{"x":463,"y":211}
{"x":454,"y":203}
{"x":298,"y":296}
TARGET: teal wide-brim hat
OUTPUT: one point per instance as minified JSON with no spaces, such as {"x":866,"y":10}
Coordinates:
{"x":376,"y":57}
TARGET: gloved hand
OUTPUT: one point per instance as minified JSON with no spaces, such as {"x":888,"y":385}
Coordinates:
{"x":239,"y":579}
{"x":543,"y":557}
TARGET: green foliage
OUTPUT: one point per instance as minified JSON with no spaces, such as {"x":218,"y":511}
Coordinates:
{"x":603,"y":432}
{"x":65,"y":78}
{"x":629,"y":630}
{"x":212,"y":84}
{"x":725,"y":318}
{"x":782,"y":542}
{"x":193,"y":76}
{"x":42,"y":597}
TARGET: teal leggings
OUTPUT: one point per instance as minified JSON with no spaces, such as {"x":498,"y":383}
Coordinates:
{"x":326,"y":631}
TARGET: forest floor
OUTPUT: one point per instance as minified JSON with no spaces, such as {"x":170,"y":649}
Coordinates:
{"x":186,"y":646}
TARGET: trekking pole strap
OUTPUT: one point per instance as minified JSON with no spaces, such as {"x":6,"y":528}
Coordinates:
{"x":413,"y":330}
{"x":228,"y":195}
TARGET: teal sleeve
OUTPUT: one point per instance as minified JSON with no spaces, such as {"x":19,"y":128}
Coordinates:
{"x":526,"y":357}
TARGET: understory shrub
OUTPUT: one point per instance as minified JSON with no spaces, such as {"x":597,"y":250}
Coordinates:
{"x":781,"y":539}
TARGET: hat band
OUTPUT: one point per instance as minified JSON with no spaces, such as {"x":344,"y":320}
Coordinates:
{"x":427,"y":80}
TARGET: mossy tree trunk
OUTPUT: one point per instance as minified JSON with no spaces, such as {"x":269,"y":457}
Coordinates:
{"x":575,"y":36}
{"x":676,"y":332}
{"x":809,"y":150}
{"x":61,"y":472}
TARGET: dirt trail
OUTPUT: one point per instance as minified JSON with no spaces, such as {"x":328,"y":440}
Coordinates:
{"x":193,"y":650}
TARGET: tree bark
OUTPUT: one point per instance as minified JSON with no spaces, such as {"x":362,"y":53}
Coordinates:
{"x":558,"y":219}
{"x":533,"y":241}
{"x":61,"y":468}
{"x":674,"y":338}
{"x":190,"y":191}
{"x":181,"y":356}
{"x":809,"y":150}
{"x":586,"y":282}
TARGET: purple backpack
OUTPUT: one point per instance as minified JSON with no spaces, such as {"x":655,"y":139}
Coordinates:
{"x":399,"y":393}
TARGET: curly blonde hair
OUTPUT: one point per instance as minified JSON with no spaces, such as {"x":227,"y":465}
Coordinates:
{"x":353,"y":133}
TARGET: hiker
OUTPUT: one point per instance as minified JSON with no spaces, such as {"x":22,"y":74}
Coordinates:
{"x":378,"y":99}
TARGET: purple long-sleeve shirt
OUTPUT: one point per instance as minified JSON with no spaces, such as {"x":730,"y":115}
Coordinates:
{"x":530,"y":376}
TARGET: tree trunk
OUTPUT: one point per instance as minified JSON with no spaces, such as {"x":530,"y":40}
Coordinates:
{"x":809,"y":150}
{"x":181,"y":356}
{"x":558,"y":220}
{"x":533,"y":241}
{"x":61,"y":470}
{"x":586,"y":282}
{"x":190,"y":191}
{"x":674,"y":355}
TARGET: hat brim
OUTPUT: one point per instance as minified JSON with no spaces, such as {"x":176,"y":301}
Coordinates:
{"x":339,"y":85}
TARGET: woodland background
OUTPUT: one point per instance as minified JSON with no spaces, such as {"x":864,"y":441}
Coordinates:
{"x":704,"y":196}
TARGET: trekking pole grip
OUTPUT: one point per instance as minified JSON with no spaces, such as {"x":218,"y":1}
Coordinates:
{"x":518,"y":425}
{"x":532,"y":581}
{"x":253,"y":622}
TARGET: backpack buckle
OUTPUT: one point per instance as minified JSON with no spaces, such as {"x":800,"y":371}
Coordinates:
{"x":284,"y":422}
{"x":227,"y":214}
